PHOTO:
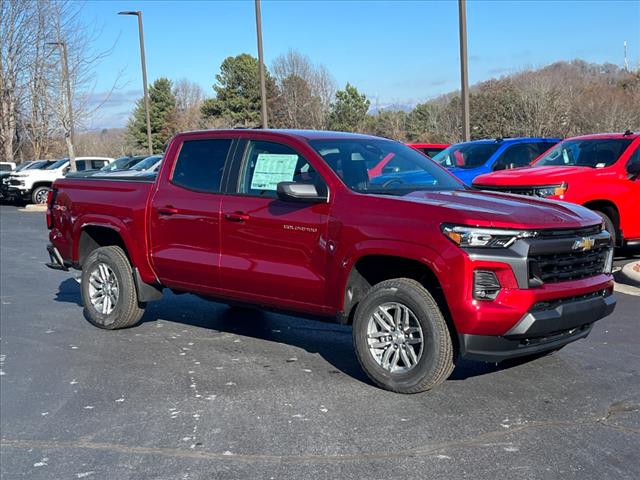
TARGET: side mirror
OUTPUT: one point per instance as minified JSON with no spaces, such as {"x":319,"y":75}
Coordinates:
{"x":633,"y":169}
{"x":300,"y":192}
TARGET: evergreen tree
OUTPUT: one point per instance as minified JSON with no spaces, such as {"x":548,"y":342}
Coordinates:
{"x":238,"y":92}
{"x":349,"y":111}
{"x":162,"y":113}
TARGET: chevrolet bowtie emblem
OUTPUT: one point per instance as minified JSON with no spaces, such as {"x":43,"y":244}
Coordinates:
{"x":585,"y":243}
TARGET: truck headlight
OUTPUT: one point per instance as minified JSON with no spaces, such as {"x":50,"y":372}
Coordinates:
{"x":477,"y":237}
{"x":551,"y":190}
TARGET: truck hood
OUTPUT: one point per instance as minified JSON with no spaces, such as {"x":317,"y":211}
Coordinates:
{"x":505,"y":210}
{"x":37,"y":173}
{"x":530,"y":176}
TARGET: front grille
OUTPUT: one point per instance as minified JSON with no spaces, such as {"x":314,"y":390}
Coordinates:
{"x":561,"y":267}
{"x":528,"y":191}
{"x":570,"y":232}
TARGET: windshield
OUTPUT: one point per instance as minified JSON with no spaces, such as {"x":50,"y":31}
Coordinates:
{"x":57,"y":164}
{"x":466,"y":155}
{"x":595,"y":153}
{"x":146,"y":163}
{"x":26,"y":166}
{"x":383,"y":166}
{"x":5,"y":167}
{"x":118,"y":164}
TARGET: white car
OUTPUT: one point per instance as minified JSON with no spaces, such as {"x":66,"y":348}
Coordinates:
{"x":7,"y":166}
{"x":34,"y":185}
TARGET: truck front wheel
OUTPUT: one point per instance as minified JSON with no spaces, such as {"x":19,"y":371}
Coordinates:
{"x":39,"y":195}
{"x":108,"y":292}
{"x":401,"y":338}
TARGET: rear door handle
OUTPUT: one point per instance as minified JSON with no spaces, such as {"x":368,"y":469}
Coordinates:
{"x":168,"y":210}
{"x":236,"y":217}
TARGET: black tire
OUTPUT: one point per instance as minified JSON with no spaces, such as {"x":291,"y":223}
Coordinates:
{"x":38,"y":194}
{"x":609,"y":226}
{"x":127,"y":311}
{"x":436,"y":362}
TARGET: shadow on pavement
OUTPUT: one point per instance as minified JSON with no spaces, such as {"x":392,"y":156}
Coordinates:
{"x":69,"y":292}
{"x":331,"y":341}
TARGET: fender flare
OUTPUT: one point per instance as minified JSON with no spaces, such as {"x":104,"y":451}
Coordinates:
{"x":421,"y":253}
{"x":106,"y":221}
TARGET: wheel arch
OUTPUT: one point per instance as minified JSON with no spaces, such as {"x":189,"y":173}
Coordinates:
{"x":609,"y":208}
{"x":371,"y":268}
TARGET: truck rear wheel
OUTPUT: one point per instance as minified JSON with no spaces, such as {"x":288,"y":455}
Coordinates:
{"x":108,"y":292}
{"x":401,"y":338}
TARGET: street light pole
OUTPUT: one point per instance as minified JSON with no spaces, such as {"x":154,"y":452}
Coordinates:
{"x":67,"y":82}
{"x":464,"y":74}
{"x":263,"y":92}
{"x":138,"y":14}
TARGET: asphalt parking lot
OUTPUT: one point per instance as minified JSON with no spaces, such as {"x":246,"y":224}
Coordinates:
{"x":203,"y":391}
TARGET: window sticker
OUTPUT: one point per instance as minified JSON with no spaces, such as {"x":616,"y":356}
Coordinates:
{"x":273,"y":168}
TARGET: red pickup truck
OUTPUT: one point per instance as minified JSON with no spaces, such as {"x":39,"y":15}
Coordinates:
{"x":601,"y":172}
{"x":425,"y":269}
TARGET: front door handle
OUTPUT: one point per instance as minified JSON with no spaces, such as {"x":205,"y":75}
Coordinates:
{"x":168,"y":210}
{"x":236,"y":217}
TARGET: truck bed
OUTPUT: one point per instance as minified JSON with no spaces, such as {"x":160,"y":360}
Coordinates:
{"x":101,"y":201}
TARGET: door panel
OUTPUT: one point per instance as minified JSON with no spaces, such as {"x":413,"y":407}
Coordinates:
{"x":277,"y":250}
{"x":184,"y":218}
{"x":271,"y":249}
{"x":185,"y":236}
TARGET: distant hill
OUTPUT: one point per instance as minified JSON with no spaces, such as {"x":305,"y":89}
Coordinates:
{"x":561,"y":99}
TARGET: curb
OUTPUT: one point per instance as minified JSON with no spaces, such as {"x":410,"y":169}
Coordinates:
{"x":630,"y":274}
{"x":33,"y":208}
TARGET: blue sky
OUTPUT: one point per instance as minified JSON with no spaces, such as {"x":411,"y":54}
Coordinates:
{"x":394,"y":51}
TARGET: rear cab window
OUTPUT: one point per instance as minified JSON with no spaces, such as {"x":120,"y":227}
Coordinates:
{"x":200,"y":164}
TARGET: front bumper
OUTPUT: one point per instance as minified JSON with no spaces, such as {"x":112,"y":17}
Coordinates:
{"x":546,"y":326}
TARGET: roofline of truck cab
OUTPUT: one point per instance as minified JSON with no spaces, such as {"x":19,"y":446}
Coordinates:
{"x":286,"y":133}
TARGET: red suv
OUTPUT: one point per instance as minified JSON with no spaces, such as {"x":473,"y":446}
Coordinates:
{"x":601,"y":172}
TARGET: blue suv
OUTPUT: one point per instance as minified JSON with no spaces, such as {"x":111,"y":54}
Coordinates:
{"x":469,"y":159}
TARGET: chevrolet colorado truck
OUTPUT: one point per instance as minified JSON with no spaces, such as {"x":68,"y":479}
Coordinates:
{"x":601,"y":172}
{"x":425,"y":272}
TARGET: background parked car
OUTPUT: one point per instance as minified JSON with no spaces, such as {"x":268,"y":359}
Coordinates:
{"x":601,"y":172}
{"x":122,"y":163}
{"x":147,"y":165}
{"x":34,"y":184}
{"x":4,"y":176}
{"x":469,"y":159}
{"x":429,"y":149}
{"x":7,"y":166}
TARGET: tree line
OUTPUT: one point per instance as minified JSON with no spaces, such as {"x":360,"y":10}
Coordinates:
{"x":560,"y":100}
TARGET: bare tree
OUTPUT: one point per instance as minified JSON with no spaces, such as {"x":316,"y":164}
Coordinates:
{"x":189,"y":98}
{"x":305,"y":92}
{"x":34,"y":115}
{"x":17,"y":20}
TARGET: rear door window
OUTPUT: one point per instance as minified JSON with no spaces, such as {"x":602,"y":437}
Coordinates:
{"x":200,"y":164}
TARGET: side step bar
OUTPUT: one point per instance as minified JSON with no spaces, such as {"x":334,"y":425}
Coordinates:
{"x":56,"y":263}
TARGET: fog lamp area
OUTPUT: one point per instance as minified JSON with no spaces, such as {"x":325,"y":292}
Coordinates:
{"x":486,"y":285}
